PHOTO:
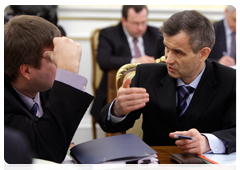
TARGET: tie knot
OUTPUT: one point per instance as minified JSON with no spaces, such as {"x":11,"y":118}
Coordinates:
{"x":34,"y":109}
{"x":185,"y":91}
{"x":135,"y":40}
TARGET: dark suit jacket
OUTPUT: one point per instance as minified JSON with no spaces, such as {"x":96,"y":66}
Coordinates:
{"x":212,"y":108}
{"x":114,"y":52}
{"x":50,"y":135}
{"x":220,"y":42}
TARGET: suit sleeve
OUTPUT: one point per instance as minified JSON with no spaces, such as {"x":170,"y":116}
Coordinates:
{"x":51,"y":134}
{"x":228,"y":134}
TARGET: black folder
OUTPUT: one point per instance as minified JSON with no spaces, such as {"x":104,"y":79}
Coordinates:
{"x":126,"y":147}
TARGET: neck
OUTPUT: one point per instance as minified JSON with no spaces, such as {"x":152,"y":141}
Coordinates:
{"x":24,"y":89}
{"x":192,"y":77}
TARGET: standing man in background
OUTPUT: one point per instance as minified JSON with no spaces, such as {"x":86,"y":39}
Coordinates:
{"x":131,"y":41}
{"x":224,"y":50}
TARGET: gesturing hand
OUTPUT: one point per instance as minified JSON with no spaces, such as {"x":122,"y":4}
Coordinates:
{"x":129,"y":99}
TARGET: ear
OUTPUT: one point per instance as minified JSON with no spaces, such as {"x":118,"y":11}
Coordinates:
{"x":226,"y":11}
{"x":123,"y":21}
{"x":204,"y":52}
{"x":25,"y":71}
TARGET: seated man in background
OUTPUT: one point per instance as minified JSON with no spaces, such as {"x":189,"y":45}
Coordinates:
{"x":208,"y":111}
{"x":224,"y":49}
{"x":131,"y":41}
{"x":44,"y":97}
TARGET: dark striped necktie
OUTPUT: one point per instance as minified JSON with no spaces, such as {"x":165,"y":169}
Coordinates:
{"x":183,"y":93}
{"x":233,"y":45}
{"x":136,"y":49}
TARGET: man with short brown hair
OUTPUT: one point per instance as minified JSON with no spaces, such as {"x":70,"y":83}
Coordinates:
{"x":44,"y":97}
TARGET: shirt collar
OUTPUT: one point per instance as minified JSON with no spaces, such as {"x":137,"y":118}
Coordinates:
{"x":29,"y":101}
{"x":194,"y":83}
{"x":228,"y":31}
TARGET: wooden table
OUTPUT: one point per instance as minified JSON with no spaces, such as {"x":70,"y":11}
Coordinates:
{"x":164,"y":153}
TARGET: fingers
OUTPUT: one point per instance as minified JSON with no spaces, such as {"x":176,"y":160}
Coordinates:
{"x":47,"y":54}
{"x":66,"y":54}
{"x":127,"y":83}
{"x":198,"y":145}
{"x":145,"y":59}
{"x":129,"y":99}
{"x":227,"y":60}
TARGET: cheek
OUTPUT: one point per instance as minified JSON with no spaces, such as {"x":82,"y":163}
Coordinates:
{"x":53,"y":71}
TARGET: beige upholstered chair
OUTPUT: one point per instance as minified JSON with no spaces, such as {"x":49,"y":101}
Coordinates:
{"x":97,"y":72}
{"x":128,"y":71}
{"x":97,"y":76}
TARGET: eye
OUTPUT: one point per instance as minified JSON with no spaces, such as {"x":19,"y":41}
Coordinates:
{"x":178,"y":52}
{"x":166,"y":48}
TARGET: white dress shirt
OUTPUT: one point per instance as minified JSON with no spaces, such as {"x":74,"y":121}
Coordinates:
{"x":140,"y":44}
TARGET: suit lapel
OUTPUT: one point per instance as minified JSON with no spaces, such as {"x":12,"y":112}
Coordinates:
{"x":166,"y":94}
{"x":222,"y":37}
{"x":202,"y":97}
{"x":147,"y":44}
{"x":124,"y":41}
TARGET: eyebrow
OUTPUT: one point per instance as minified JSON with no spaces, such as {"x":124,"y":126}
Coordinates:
{"x":175,"y":49}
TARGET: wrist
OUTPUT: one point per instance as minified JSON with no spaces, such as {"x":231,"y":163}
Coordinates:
{"x":115,"y":112}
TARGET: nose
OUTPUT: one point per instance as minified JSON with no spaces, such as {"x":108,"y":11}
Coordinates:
{"x":140,"y":28}
{"x":169,"y":57}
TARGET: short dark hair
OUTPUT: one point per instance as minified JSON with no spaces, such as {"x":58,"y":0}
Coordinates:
{"x":25,"y":37}
{"x":137,"y":9}
{"x":193,"y":23}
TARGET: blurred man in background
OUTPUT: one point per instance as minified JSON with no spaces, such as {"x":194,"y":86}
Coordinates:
{"x":224,"y":50}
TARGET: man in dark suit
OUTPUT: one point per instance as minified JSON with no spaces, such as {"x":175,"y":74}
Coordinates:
{"x":208,"y":113}
{"x":224,"y":49}
{"x":116,"y":47}
{"x":44,"y":97}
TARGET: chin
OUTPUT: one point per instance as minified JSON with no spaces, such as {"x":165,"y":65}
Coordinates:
{"x":173,"y":75}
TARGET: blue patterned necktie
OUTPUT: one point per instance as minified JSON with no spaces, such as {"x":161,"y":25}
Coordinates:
{"x":34,"y":109}
{"x":183,"y":93}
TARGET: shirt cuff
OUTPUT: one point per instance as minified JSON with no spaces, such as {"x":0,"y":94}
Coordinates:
{"x":77,"y":81}
{"x":113,"y":118}
{"x":216,"y":145}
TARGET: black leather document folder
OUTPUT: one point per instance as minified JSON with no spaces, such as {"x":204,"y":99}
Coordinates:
{"x":126,"y":148}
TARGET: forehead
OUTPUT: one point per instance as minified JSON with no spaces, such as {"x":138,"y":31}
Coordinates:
{"x":178,"y":41}
{"x":232,"y":14}
{"x":133,"y":15}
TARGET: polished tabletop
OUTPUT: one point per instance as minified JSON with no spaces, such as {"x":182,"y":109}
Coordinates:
{"x":164,"y":153}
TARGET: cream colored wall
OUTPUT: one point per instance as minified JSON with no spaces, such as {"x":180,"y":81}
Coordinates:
{"x":212,"y":7}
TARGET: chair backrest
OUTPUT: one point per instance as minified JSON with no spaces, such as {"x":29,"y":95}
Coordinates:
{"x":97,"y":72}
{"x":128,"y":71}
